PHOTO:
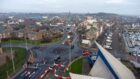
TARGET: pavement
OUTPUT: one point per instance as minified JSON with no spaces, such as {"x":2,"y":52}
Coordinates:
{"x":87,"y":66}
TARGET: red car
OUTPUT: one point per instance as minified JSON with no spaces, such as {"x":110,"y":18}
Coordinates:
{"x":86,"y":52}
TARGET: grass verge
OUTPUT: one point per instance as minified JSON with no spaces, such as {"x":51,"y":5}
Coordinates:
{"x":19,"y":59}
{"x":76,"y":66}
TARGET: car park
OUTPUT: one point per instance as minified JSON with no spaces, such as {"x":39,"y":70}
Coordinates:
{"x":136,"y":54}
{"x":31,"y":74}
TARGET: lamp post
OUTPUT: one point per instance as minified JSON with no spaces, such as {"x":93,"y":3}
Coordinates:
{"x":26,"y":40}
{"x":11,"y":50}
{"x":12,"y":56}
{"x":71,"y":47}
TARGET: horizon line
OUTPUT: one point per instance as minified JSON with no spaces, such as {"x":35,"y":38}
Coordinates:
{"x":71,"y":13}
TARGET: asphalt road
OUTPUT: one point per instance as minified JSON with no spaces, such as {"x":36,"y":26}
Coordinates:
{"x":49,"y":53}
{"x":116,"y":45}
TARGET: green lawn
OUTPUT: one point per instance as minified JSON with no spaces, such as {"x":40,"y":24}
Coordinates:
{"x":76,"y":67}
{"x":53,"y":41}
{"x":21,"y":42}
{"x":20,"y":55}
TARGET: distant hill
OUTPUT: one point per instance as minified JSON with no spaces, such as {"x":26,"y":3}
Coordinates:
{"x":103,"y":14}
{"x":100,"y":15}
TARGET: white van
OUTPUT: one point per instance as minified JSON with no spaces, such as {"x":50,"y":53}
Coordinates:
{"x":109,"y":37}
{"x":107,"y":40}
{"x":107,"y":47}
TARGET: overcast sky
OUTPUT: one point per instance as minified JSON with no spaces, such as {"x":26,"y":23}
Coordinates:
{"x":130,"y":7}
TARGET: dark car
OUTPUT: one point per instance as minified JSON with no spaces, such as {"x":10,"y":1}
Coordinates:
{"x":57,"y":58}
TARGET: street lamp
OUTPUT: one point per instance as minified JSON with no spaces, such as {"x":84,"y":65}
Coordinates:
{"x":71,"y":47}
{"x":26,"y":40}
{"x":12,"y":56}
{"x":10,"y":30}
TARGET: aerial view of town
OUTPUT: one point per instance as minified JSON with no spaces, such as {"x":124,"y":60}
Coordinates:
{"x":76,"y":39}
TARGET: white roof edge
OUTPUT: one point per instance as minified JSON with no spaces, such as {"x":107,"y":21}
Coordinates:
{"x":121,"y":70}
{"x":77,"y":76}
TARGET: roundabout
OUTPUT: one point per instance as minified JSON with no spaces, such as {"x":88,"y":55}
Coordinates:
{"x":61,"y":71}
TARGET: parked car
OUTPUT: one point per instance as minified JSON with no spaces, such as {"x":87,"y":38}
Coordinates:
{"x":108,"y":40}
{"x":86,"y":52}
{"x":108,"y":43}
{"x":108,"y":47}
